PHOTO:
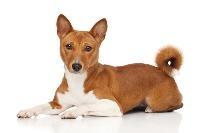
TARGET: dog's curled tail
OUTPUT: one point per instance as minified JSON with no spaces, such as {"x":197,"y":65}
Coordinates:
{"x":169,"y":58}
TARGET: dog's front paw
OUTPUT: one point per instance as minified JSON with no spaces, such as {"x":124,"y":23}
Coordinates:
{"x":69,"y":115}
{"x":72,"y":113}
{"x":27,"y":114}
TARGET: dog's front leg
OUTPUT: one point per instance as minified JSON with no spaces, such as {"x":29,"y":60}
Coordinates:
{"x":103,"y":107}
{"x":41,"y":109}
{"x":51,"y":108}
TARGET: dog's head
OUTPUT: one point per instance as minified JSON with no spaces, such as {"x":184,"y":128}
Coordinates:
{"x":80,"y":49}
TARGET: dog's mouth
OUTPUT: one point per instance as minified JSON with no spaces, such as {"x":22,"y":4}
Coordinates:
{"x":75,"y":70}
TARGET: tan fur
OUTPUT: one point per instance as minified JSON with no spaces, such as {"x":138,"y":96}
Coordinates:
{"x":61,"y":89}
{"x":170,"y":55}
{"x":128,"y":85}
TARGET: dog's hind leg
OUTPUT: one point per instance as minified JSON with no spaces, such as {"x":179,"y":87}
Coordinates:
{"x":164,"y":98}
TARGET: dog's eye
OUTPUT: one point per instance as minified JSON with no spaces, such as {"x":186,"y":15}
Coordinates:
{"x":69,"y":46}
{"x":88,"y":48}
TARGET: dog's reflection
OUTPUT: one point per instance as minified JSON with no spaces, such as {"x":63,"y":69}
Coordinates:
{"x":134,"y":122}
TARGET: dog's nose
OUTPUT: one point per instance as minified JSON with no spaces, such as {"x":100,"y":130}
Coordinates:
{"x":76,"y":67}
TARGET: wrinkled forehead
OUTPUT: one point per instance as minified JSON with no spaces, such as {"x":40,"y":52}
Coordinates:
{"x":79,"y":37}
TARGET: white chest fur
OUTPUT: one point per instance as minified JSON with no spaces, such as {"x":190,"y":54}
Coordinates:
{"x":75,"y":94}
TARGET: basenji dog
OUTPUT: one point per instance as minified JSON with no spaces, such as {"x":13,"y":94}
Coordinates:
{"x":89,"y":88}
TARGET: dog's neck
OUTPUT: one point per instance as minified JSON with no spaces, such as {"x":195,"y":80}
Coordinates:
{"x":75,"y":80}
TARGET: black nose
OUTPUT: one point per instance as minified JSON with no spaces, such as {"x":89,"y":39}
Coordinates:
{"x":76,"y":67}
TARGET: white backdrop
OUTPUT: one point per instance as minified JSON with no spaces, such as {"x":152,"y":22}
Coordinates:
{"x":31,"y":67}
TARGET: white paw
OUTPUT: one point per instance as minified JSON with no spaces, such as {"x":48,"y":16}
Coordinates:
{"x":27,"y":114}
{"x":69,"y":115}
{"x":72,"y":113}
{"x":148,"y":110}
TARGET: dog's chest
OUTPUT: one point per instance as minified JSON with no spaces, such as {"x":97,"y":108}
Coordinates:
{"x":75,"y":94}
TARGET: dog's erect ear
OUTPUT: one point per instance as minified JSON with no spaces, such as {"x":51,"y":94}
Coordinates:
{"x":63,"y":26}
{"x":98,"y":31}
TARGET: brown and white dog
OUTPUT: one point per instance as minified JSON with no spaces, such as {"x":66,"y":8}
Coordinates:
{"x":90,"y":88}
